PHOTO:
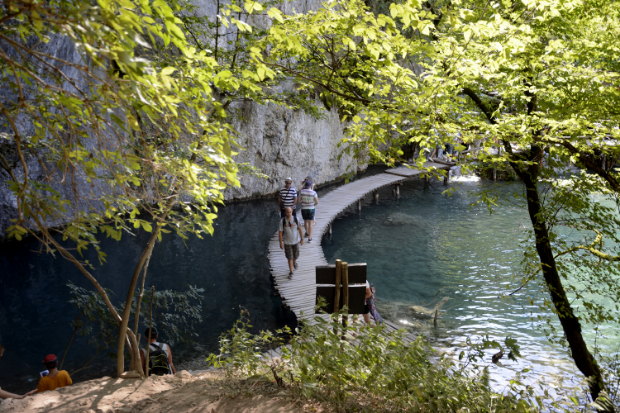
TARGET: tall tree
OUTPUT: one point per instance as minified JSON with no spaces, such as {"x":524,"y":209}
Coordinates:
{"x":116,"y":135}
{"x":525,"y":76}
{"x":534,"y":81}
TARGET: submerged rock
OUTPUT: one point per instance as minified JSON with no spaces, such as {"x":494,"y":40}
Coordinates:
{"x":428,"y":312}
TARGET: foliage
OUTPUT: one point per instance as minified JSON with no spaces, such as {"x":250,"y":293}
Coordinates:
{"x":350,"y":58}
{"x":233,"y":37}
{"x":175,"y":314}
{"x":95,"y":321}
{"x":109,"y":124}
{"x":379,"y":371}
{"x":241,"y":351}
{"x":138,"y":131}
{"x":521,"y":75}
{"x":584,"y":231}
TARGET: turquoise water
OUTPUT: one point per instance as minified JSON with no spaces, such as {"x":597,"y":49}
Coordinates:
{"x":419,"y":248}
{"x":425,"y":247}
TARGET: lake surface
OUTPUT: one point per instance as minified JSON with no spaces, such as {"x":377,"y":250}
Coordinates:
{"x":420,"y":248}
{"x":425,"y":247}
{"x":231,"y":267}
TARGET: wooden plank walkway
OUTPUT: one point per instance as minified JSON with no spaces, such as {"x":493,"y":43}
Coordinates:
{"x":299,"y":294}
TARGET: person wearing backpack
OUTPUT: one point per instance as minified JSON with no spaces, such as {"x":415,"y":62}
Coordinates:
{"x":160,"y":355}
{"x":290,"y":238}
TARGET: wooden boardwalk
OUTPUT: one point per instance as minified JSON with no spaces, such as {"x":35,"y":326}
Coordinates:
{"x":300,"y":292}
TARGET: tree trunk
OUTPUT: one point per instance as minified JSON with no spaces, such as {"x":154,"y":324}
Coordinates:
{"x":137,"y":313}
{"x":120,"y":353}
{"x":584,"y":360}
{"x":141,"y":295}
{"x":106,"y":299}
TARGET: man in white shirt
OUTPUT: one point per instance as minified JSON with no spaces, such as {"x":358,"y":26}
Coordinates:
{"x":290,"y":238}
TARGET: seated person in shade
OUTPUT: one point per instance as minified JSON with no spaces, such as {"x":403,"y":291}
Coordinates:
{"x":160,"y":355}
{"x":54,"y":379}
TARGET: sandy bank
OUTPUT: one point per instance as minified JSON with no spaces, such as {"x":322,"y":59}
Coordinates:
{"x":207,"y":392}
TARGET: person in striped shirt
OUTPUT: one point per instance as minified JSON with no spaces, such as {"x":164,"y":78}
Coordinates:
{"x":287,"y":197}
{"x":308,"y":199}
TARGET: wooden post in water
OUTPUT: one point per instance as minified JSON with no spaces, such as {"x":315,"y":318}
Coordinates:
{"x":359,"y":205}
{"x":435,"y":319}
{"x":376,"y":196}
{"x":345,"y":296}
{"x":397,"y":189}
{"x":329,"y":231}
{"x":446,"y":178}
{"x":337,"y":292}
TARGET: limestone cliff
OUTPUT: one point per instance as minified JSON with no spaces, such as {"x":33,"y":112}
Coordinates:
{"x":279,"y":142}
{"x":285,"y":143}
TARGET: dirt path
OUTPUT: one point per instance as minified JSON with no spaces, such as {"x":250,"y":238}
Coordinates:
{"x":207,"y":392}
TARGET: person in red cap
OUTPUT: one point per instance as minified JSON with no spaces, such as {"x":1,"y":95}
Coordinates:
{"x":54,"y":379}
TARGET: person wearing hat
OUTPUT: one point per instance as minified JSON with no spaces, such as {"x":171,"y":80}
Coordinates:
{"x":52,"y":379}
{"x":308,"y":179}
{"x":287,"y":197}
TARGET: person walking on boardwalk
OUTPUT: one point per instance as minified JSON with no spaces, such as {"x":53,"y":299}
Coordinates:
{"x":287,"y":197}
{"x":307,"y":179}
{"x":308,"y":199}
{"x":290,"y":238}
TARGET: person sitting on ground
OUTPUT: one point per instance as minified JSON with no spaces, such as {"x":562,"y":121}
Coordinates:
{"x":290,"y":238}
{"x":308,"y":199}
{"x":3,"y":393}
{"x":160,"y":355}
{"x":53,"y":378}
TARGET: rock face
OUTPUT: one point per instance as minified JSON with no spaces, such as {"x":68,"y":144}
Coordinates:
{"x":279,"y":142}
{"x":285,"y":143}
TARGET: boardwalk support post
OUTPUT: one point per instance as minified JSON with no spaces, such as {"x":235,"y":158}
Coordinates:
{"x":446,"y":179}
{"x":359,"y":205}
{"x":345,"y":296}
{"x":337,"y":292}
{"x":376,"y":196}
{"x":329,"y":231}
